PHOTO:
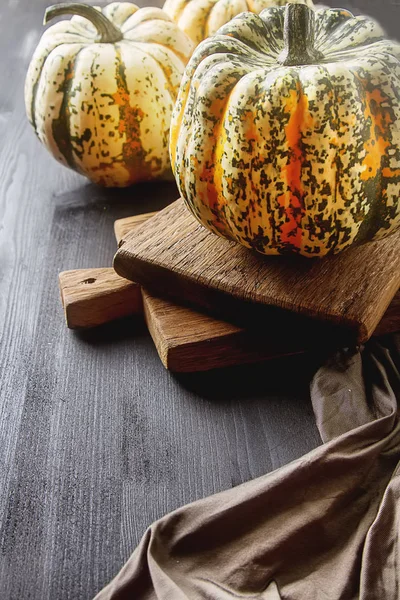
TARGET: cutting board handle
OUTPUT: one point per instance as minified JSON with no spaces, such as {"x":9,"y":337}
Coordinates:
{"x":92,"y":297}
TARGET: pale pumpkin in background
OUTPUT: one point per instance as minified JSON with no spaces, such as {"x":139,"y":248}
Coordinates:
{"x":100,"y":90}
{"x":286,"y":133}
{"x":201,"y":18}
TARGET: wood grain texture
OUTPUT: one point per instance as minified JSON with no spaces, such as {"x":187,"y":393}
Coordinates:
{"x":92,"y":297}
{"x":97,"y":439}
{"x":173,"y":254}
{"x":190,"y":341}
{"x":390,"y":321}
{"x":123,"y":226}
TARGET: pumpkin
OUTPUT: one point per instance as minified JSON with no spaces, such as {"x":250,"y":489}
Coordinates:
{"x":101,"y":87}
{"x":201,"y":18}
{"x":286,"y":133}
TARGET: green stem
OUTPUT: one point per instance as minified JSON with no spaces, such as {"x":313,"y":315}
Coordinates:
{"x":299,"y":37}
{"x":108,"y":33}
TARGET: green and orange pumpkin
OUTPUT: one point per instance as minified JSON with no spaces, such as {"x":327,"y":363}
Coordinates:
{"x":201,"y":18}
{"x":286,"y":133}
{"x":101,"y":87}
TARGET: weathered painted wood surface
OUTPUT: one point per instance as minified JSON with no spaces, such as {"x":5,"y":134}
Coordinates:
{"x":96,"y":439}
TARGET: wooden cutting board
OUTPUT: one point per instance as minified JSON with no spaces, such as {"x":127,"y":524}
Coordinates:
{"x":343,"y":296}
{"x":186,"y":340}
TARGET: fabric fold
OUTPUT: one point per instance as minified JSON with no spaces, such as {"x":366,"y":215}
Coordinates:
{"x":322,"y":527}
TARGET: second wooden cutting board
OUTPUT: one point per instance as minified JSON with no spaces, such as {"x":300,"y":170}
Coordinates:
{"x":346,"y":295}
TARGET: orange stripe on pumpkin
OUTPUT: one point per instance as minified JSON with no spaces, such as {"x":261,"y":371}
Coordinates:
{"x":292,"y":201}
{"x":389,"y":173}
{"x":129,"y":127}
{"x":250,"y":6}
{"x":212,"y":173}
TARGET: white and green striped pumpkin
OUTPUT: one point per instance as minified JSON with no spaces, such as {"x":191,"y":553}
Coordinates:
{"x":201,"y":18}
{"x":100,"y":90}
{"x":286,"y":133}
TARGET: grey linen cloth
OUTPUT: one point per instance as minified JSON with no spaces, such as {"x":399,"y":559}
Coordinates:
{"x":324,"y":527}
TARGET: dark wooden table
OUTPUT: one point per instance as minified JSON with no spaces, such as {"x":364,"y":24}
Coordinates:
{"x":97,"y":440}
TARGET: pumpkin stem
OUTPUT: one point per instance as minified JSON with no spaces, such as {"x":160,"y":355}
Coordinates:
{"x":299,"y":36}
{"x":108,"y":33}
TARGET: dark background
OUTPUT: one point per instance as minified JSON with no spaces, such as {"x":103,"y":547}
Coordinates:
{"x":97,"y":440}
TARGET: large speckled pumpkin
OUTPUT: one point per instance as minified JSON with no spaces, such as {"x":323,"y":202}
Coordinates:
{"x":101,"y":87}
{"x":286,"y":133}
{"x":201,"y":18}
